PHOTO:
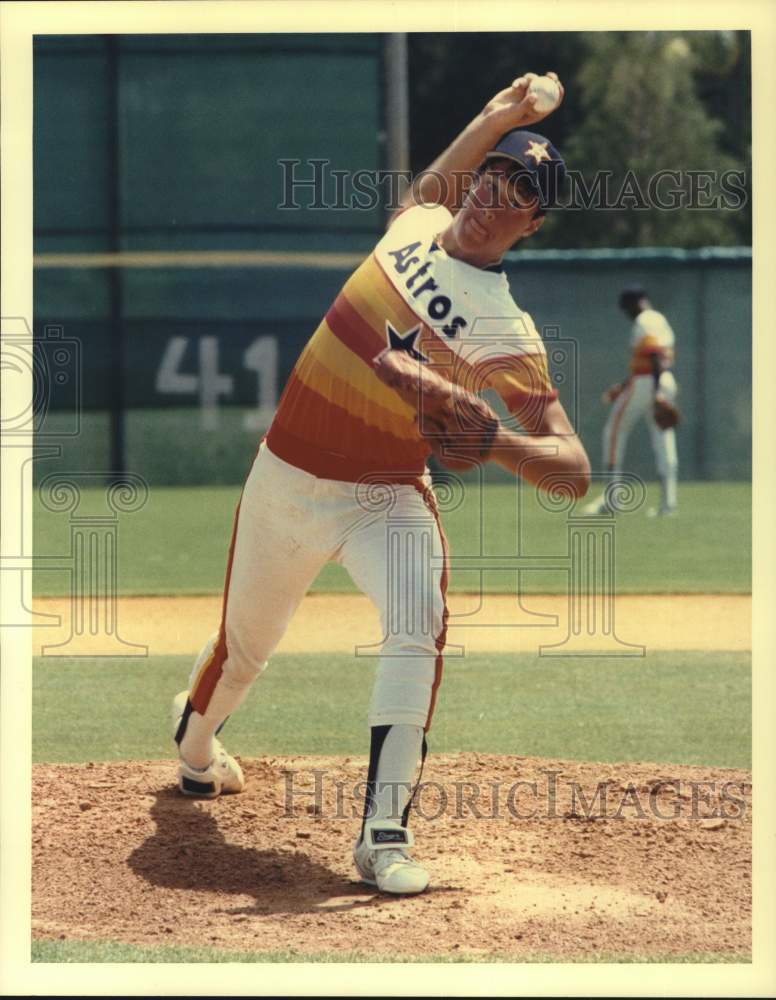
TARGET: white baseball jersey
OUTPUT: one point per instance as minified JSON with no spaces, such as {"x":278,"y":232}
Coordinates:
{"x":337,"y":420}
{"x":651,"y":334}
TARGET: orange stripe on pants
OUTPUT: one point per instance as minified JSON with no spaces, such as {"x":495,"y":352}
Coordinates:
{"x":212,"y":669}
{"x":430,"y":501}
{"x":616,"y":425}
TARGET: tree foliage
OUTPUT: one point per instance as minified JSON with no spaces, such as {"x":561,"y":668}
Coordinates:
{"x":642,"y":118}
{"x":638,"y":104}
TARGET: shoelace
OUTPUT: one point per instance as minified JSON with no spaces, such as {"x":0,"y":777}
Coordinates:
{"x":388,"y":858}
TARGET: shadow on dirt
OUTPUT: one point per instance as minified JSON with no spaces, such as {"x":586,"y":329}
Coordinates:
{"x":189,"y":851}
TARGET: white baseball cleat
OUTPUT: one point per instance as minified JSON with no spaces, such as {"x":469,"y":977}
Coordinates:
{"x":662,"y":512}
{"x":223,"y":775}
{"x":382,"y":859}
{"x":597,"y":506}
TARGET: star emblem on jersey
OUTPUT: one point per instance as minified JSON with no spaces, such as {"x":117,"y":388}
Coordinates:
{"x":538,"y":150}
{"x":405,"y":342}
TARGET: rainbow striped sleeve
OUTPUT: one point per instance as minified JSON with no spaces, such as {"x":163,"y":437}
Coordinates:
{"x":336,"y":419}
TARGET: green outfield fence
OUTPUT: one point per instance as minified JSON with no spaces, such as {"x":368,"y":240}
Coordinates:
{"x":172,"y":297}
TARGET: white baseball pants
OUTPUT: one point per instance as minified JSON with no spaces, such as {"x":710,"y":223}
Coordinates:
{"x":633,"y":404}
{"x":287,"y":526}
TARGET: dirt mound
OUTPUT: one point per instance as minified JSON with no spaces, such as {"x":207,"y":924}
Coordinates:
{"x":526,"y":856}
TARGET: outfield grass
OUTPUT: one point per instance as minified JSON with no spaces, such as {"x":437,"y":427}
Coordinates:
{"x":678,"y":707}
{"x":114,"y":951}
{"x":177,"y":543}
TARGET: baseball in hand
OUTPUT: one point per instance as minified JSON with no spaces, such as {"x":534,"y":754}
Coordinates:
{"x":547,"y":93}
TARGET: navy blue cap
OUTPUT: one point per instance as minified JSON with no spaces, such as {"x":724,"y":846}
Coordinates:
{"x":631,"y":295}
{"x":538,"y":157}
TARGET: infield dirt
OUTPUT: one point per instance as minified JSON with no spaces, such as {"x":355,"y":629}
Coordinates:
{"x":492,"y":623}
{"x":662,"y":867}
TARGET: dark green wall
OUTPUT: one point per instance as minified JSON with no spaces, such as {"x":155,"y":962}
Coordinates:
{"x":169,"y":141}
{"x":706,"y":296}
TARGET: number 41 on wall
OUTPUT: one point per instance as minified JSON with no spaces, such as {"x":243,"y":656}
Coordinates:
{"x":211,"y":385}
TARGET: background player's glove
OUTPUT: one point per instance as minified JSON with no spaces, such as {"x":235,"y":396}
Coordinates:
{"x":666,"y":414}
{"x":459,"y":426}
{"x":609,"y":395}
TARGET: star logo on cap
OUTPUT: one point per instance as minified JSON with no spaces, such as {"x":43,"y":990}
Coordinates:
{"x":538,"y":150}
{"x":404,"y":343}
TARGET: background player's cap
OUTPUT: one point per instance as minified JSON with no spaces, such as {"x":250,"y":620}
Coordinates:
{"x":538,"y":157}
{"x":631,"y":295}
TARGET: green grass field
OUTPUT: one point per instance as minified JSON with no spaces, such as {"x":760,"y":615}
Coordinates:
{"x":116,"y":951}
{"x":177,"y":543}
{"x":684,"y":708}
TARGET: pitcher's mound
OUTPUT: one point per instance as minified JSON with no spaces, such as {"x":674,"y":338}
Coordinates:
{"x":527,"y":858}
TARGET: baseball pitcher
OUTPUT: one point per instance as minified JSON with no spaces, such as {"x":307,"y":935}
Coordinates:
{"x":392,"y":373}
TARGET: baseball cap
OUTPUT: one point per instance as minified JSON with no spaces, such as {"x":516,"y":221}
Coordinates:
{"x":538,"y":157}
{"x":632,"y":294}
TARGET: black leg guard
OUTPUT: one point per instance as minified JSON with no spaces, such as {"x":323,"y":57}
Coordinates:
{"x":376,"y":745}
{"x":379,"y":734}
{"x":181,"y":730}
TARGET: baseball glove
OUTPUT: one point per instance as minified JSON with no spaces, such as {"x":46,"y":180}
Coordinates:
{"x":613,"y":392}
{"x":459,"y":426}
{"x":666,"y":415}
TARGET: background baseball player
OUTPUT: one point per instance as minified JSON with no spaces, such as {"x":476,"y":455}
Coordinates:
{"x":359,"y":416}
{"x":648,"y":393}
